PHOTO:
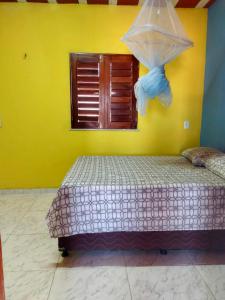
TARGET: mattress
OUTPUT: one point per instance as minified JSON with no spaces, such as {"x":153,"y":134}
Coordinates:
{"x":137,"y":193}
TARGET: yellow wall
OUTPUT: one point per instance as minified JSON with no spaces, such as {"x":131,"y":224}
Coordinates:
{"x":36,"y":144}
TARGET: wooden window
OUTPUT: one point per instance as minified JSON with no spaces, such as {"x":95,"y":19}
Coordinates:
{"x":102,"y":91}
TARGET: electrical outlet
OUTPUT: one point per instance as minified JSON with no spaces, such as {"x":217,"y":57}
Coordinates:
{"x":186,"y":124}
{"x":0,"y":123}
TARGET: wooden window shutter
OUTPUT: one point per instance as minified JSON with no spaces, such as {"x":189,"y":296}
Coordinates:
{"x":86,"y":91}
{"x":121,"y":73}
{"x":102,"y":91}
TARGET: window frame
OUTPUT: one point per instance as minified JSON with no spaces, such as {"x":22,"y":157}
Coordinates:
{"x":104,"y":99}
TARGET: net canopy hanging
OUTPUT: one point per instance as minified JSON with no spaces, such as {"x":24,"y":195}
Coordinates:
{"x":156,"y":37}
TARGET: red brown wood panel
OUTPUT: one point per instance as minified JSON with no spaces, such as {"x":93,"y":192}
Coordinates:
{"x":2,"y":293}
{"x":87,"y":85}
{"x":127,"y":2}
{"x":121,"y":79}
{"x":121,"y":73}
{"x":85,"y":111}
{"x":122,"y":92}
{"x":187,"y":3}
{"x":38,"y":1}
{"x":67,"y":1}
{"x":86,"y":92}
{"x":121,"y":112}
{"x":120,"y":105}
{"x":181,"y":3}
{"x":118,"y":86}
{"x":92,"y":105}
{"x":120,"y":100}
{"x":87,"y":100}
{"x":117,"y":65}
{"x":88,"y":79}
{"x":97,"y":2}
{"x":199,"y":240}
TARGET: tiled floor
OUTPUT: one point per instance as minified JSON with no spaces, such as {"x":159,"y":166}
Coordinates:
{"x":34,"y":270}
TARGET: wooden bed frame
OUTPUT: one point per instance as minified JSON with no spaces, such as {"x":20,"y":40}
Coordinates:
{"x":163,"y":241}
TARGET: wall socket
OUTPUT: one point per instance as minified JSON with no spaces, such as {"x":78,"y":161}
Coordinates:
{"x":186,"y":124}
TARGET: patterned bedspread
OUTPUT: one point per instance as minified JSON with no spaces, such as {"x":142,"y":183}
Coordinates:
{"x":137,"y":193}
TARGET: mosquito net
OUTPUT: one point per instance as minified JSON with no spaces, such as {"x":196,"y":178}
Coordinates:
{"x":156,"y":37}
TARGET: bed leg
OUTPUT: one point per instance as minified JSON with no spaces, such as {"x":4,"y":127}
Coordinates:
{"x":64,"y":251}
{"x":163,"y":252}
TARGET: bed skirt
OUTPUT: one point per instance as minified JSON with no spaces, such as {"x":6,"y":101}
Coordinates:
{"x":152,"y":240}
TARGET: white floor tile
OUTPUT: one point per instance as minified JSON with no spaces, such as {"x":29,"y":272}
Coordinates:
{"x":32,"y":223}
{"x":30,"y":252}
{"x":167,"y":283}
{"x":90,"y":283}
{"x":9,"y":221}
{"x":12,"y":203}
{"x":33,"y":285}
{"x":214,"y":276}
{"x":43,"y":201}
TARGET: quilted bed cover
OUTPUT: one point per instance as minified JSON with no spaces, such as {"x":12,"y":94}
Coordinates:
{"x":137,"y":193}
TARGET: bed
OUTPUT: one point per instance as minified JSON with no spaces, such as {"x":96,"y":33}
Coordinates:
{"x":145,"y":202}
